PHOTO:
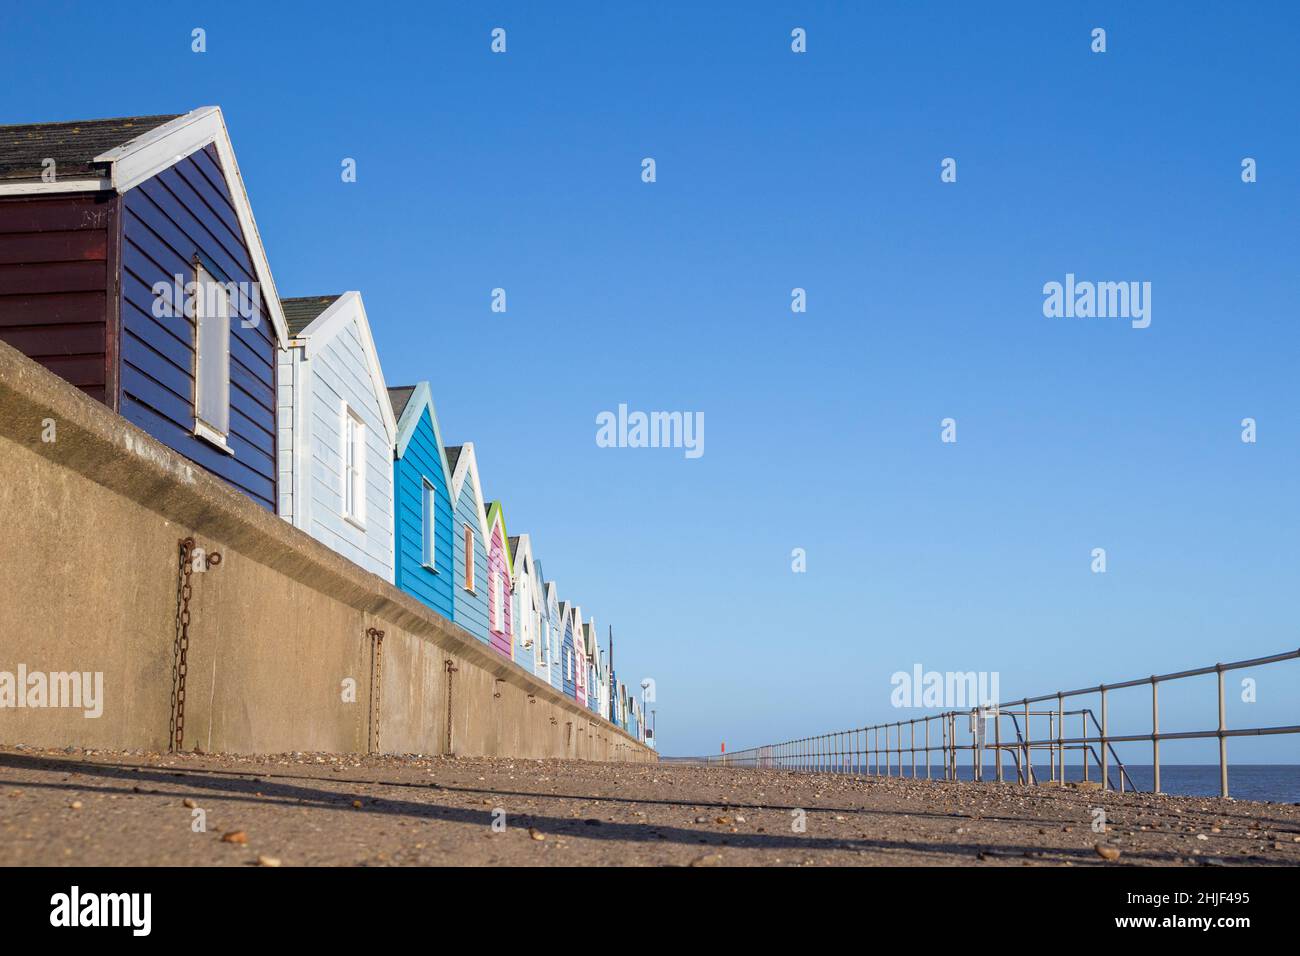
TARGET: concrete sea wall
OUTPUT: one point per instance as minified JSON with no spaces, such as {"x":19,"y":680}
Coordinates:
{"x":282,"y":651}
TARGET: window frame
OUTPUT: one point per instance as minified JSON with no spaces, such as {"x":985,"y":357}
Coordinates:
{"x":428,"y":524}
{"x":467,"y":576}
{"x":353,"y":466}
{"x":209,"y":290}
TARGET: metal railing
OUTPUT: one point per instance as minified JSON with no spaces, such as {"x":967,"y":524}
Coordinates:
{"x":861,"y":750}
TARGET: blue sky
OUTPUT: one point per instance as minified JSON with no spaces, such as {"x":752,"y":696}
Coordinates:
{"x":819,"y":171}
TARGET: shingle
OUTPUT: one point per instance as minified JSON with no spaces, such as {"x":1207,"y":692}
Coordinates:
{"x":400,"y":397}
{"x":73,"y":146}
{"x":301,"y":312}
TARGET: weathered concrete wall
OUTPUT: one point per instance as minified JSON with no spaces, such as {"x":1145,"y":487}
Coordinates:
{"x":90,"y":525}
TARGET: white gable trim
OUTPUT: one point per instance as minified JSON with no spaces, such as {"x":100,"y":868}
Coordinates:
{"x":349,"y":308}
{"x":467,"y":467}
{"x":62,"y":186}
{"x":421,"y":399}
{"x":149,"y":154}
{"x":524,"y":555}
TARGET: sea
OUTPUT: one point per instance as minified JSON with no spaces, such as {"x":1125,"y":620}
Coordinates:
{"x":1266,"y":783}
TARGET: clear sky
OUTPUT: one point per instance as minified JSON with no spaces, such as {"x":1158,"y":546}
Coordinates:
{"x":819,"y":170}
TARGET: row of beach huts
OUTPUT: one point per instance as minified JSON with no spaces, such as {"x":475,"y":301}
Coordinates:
{"x":131,"y":265}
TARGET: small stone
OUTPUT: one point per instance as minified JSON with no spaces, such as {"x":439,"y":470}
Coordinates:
{"x":188,"y":804}
{"x":268,"y":861}
{"x":1107,"y":852}
{"x":235,"y":836}
{"x":356,"y":804}
{"x":709,"y":859}
{"x":724,"y":821}
{"x":75,"y":805}
{"x":536,"y":834}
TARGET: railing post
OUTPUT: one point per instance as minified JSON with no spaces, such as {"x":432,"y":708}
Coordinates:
{"x":1223,"y":741}
{"x":1060,"y":735}
{"x":1105,"y":758}
{"x":1029,"y":754}
{"x":1083,"y":747}
{"x":1051,"y":751}
{"x":913,"y":723}
{"x":927,"y":748}
{"x":997,"y":741}
{"x":1155,"y":733}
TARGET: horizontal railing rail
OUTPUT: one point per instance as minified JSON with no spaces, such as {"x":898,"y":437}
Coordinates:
{"x":859,"y":750}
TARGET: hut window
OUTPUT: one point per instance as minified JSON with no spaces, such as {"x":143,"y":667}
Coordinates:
{"x":211,"y":360}
{"x":568,"y":665}
{"x":354,"y":466}
{"x":498,"y":615}
{"x":469,"y":558}
{"x":428,"y":524}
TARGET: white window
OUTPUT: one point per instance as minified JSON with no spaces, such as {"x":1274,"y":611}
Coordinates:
{"x":211,"y":360}
{"x":568,"y":665}
{"x":498,"y":603}
{"x":354,"y":466}
{"x":469,"y":558}
{"x":429,"y":522}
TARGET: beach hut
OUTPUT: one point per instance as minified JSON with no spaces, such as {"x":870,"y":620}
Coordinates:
{"x":553,"y":631}
{"x":133,"y":268}
{"x":568,"y":655}
{"x":336,"y":431}
{"x":602,"y":676}
{"x":579,"y":659}
{"x":592,"y":650}
{"x":424,"y":559}
{"x":469,"y":543}
{"x":526,"y":603}
{"x":500,"y":619}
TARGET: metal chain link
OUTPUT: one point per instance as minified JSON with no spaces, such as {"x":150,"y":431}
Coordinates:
{"x":451,"y":669}
{"x":180,"y":665}
{"x":376,"y":683}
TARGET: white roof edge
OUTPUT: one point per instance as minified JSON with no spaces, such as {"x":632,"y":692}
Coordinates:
{"x":350,"y":307}
{"x":144,"y":157}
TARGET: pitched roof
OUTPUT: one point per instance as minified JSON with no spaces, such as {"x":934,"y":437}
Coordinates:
{"x":301,"y":312}
{"x":73,"y":146}
{"x":453,"y":455}
{"x":399,"y":396}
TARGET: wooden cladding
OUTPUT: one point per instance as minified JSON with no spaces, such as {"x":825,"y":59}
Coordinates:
{"x":56,"y":278}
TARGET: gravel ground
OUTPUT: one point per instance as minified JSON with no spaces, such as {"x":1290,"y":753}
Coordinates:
{"x":95,"y":808}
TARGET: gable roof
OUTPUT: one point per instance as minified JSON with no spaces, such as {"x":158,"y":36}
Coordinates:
{"x":464,"y":469}
{"x":72,"y":145}
{"x":494,"y":514}
{"x":300,"y":312}
{"x":409,"y":403}
{"x":339,"y":312}
{"x":400,"y":397}
{"x":119,"y":154}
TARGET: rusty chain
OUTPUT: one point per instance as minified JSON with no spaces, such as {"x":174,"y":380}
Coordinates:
{"x":451,"y":669}
{"x":180,"y":664}
{"x":376,"y":683}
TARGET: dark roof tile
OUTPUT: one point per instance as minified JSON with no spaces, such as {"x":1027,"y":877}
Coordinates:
{"x":73,"y":146}
{"x":301,"y":312}
{"x":400,"y":397}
